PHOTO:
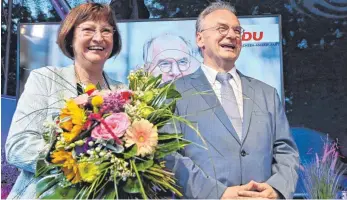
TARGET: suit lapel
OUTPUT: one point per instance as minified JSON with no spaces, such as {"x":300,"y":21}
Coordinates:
{"x":248,"y":101}
{"x":201,"y":84}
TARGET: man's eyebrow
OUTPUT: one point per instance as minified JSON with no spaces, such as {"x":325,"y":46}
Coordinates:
{"x":224,"y":24}
{"x":221,"y":24}
{"x":184,"y":58}
{"x":161,"y":60}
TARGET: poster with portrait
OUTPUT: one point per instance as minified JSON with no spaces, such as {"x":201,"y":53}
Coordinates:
{"x":164,"y":47}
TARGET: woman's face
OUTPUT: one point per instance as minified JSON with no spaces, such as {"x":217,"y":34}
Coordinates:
{"x":93,"y":42}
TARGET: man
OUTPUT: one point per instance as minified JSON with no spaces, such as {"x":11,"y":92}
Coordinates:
{"x":169,"y":55}
{"x":250,"y":151}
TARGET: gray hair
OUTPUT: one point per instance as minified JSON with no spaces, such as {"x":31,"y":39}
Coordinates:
{"x":147,"y":45}
{"x":219,"y":5}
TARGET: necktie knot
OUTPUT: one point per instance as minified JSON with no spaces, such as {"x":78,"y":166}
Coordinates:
{"x":223,"y":77}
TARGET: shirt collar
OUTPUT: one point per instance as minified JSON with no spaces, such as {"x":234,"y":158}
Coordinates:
{"x":211,"y":73}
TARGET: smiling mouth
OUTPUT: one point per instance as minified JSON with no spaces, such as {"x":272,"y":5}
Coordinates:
{"x":96,"y":48}
{"x":228,"y":46}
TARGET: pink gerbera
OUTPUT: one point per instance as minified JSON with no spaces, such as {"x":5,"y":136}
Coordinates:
{"x":144,"y":135}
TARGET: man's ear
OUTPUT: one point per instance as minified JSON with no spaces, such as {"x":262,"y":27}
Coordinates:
{"x":199,"y":40}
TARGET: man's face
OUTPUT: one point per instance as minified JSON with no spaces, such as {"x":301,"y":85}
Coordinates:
{"x":170,"y":56}
{"x":214,"y":44}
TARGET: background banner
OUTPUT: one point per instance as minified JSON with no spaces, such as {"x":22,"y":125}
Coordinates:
{"x":165,"y":46}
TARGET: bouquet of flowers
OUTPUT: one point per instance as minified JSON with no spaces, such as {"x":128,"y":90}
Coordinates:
{"x":106,"y":144}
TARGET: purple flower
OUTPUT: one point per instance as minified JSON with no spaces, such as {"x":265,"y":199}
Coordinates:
{"x":84,"y":148}
{"x":115,"y":101}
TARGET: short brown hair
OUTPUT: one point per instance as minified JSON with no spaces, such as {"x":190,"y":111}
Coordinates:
{"x":80,"y":14}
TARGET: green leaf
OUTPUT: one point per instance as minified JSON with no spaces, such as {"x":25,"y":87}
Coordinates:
{"x":176,"y":144}
{"x":132,"y":186}
{"x":190,"y":125}
{"x":168,"y":136}
{"x":167,"y":92}
{"x":104,"y":165}
{"x":42,"y":167}
{"x":170,"y":147}
{"x":111,"y":195}
{"x":157,"y":81}
{"x":172,"y":106}
{"x":159,"y":116}
{"x":98,"y":86}
{"x":142,"y":166}
{"x":131,"y":153}
{"x":131,"y":85}
{"x":62,"y":193}
{"x":173,"y":94}
{"x":46,"y":183}
{"x":163,"y":184}
{"x":161,"y":98}
{"x":82,"y":194}
{"x":160,"y":154}
{"x":153,"y":82}
{"x":110,"y":192}
{"x":142,"y":190}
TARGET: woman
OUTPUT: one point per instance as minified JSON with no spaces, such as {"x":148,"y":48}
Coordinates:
{"x":88,"y":35}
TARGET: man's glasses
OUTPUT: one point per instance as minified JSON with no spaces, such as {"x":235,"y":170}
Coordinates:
{"x":224,"y":30}
{"x":167,"y":64}
{"x":89,"y":31}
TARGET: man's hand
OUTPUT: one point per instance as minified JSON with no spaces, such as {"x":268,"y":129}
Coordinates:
{"x":232,"y":192}
{"x":263,"y":190}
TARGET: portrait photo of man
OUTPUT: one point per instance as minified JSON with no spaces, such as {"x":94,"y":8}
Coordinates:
{"x":170,"y":55}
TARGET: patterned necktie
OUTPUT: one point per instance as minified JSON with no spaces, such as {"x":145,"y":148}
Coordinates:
{"x":229,"y":103}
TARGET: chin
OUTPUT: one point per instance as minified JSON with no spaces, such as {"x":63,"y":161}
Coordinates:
{"x":96,"y":59}
{"x":229,"y":57}
{"x":166,"y":79}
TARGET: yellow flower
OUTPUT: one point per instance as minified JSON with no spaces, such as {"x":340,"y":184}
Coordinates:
{"x":148,"y":96}
{"x":72,"y":174}
{"x":89,"y":88}
{"x":67,"y":125}
{"x":59,"y":157}
{"x":77,"y":114}
{"x":70,"y":136}
{"x":69,"y":165}
{"x":72,"y":118}
{"x":97,"y":100}
{"x":145,"y":111}
{"x":144,"y":135}
{"x":88,"y":171}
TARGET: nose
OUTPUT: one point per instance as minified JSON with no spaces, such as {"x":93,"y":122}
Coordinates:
{"x":97,"y":36}
{"x":175,"y":69}
{"x":231,"y":33}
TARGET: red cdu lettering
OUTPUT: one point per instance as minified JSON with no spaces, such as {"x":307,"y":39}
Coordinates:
{"x":246,"y":36}
{"x":258,"y":38}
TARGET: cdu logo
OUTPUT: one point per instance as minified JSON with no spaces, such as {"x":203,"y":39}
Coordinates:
{"x":256,"y":36}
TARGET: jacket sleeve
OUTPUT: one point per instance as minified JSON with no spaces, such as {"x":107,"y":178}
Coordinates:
{"x":190,"y":177}
{"x":285,"y":154}
{"x":194,"y":182}
{"x":25,"y":142}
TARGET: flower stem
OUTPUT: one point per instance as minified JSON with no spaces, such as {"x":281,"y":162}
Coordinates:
{"x":143,"y":193}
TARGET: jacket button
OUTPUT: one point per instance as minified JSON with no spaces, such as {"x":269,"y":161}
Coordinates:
{"x":243,"y":153}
